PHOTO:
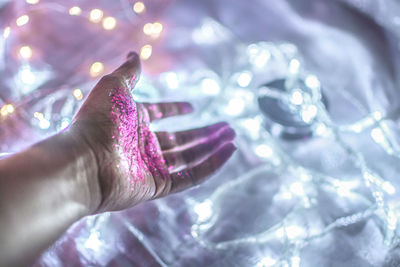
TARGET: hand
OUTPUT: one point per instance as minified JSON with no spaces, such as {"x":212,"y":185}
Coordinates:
{"x":134,"y":164}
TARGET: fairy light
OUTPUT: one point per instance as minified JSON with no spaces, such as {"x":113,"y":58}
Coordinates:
{"x":109,"y":23}
{"x":235,"y":106}
{"x":78,"y":94}
{"x":294,"y":66}
{"x":264,"y":151}
{"x":139,"y":7}
{"x":148,"y":28}
{"x":203,"y":210}
{"x":244,"y":79}
{"x":32,"y":2}
{"x":153,"y":29}
{"x":96,"y":15}
{"x":25,"y":52}
{"x":96,"y":69}
{"x":43,"y":122}
{"x":296,"y":98}
{"x":171,"y":78}
{"x":210,"y":86}
{"x":157,"y":28}
{"x":75,"y":11}
{"x":145,"y":52}
{"x":308,"y":113}
{"x":22,"y":20}
{"x":7,"y":109}
{"x":6,"y":32}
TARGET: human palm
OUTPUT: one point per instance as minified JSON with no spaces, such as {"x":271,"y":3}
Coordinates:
{"x":135,"y":164}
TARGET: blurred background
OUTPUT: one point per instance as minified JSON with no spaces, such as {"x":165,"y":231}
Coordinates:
{"x":310,"y":86}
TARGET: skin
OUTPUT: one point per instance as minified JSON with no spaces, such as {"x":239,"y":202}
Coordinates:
{"x":82,"y":170}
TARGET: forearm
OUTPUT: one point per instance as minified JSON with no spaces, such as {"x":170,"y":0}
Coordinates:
{"x":43,"y":190}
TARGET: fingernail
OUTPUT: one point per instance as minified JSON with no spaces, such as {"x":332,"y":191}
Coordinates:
{"x":132,"y":56}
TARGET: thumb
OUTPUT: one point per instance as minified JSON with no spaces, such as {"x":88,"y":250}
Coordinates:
{"x":129,"y":71}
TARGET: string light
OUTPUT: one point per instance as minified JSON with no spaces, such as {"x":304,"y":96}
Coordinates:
{"x":153,"y":29}
{"x":43,"y":122}
{"x":22,"y":20}
{"x":145,"y":52}
{"x":109,"y":23}
{"x":7,"y":109}
{"x":78,"y":94}
{"x":244,"y":79}
{"x":139,"y":7}
{"x":25,"y":52}
{"x":95,"y":15}
{"x":75,"y":11}
{"x":32,"y":2}
{"x":6,"y":32}
{"x":210,"y":86}
{"x":96,"y":69}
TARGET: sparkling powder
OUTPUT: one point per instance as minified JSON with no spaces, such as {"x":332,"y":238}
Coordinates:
{"x":138,"y":146}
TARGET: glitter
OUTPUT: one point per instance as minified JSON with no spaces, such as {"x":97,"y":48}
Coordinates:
{"x":137,"y":145}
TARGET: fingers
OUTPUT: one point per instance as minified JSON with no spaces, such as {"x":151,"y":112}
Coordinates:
{"x":159,"y":111}
{"x":176,"y":159}
{"x":187,"y":138}
{"x":129,"y":71}
{"x":196,"y":174}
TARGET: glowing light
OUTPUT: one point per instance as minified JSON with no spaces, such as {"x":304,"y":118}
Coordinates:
{"x":26,"y":76}
{"x":64,"y":123}
{"x":244,"y":79}
{"x":32,"y":2}
{"x":253,"y":126}
{"x":377,"y":135}
{"x":296,"y":98}
{"x":377,"y":115}
{"x":7,"y":109}
{"x":24,"y":19}
{"x":235,"y":106}
{"x":389,"y":188}
{"x":95,"y":15}
{"x":157,"y":27}
{"x":153,"y":29}
{"x":6,"y":32}
{"x":148,"y":28}
{"x":145,"y":52}
{"x":25,"y":52}
{"x":78,"y":94}
{"x":312,"y":82}
{"x":294,"y":66}
{"x":309,"y":113}
{"x":297,"y":189}
{"x":264,"y":151}
{"x":139,"y":7}
{"x":210,"y":86}
{"x":93,"y":242}
{"x":75,"y":11}
{"x":266,"y":262}
{"x":171,"y":79}
{"x":109,"y":23}
{"x":43,"y":123}
{"x":203,"y":210}
{"x":96,"y":69}
{"x":295,"y":261}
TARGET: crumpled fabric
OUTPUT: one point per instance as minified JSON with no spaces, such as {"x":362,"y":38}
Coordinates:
{"x":352,"y":46}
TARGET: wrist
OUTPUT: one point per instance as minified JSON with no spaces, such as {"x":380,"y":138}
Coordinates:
{"x":85,"y":167}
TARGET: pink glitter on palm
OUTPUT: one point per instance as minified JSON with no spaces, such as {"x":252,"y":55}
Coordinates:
{"x":139,"y":148}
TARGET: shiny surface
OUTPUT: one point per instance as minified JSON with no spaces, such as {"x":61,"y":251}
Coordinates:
{"x":330,"y":199}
